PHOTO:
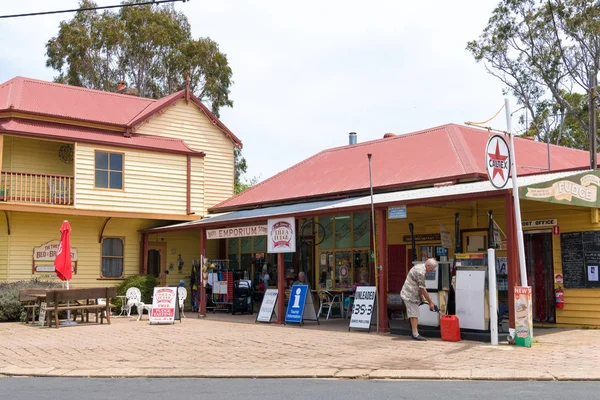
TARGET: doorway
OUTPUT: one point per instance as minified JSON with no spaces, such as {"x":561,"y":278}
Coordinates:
{"x":540,"y":274}
{"x":307,"y":251}
{"x":397,"y":267}
{"x":157,"y":262}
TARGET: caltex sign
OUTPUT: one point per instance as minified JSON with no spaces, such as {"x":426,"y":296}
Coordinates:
{"x":497,"y":161}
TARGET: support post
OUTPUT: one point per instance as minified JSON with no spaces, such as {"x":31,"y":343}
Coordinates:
{"x":144,"y":255}
{"x":280,"y":289}
{"x":382,"y":249}
{"x":512,"y":257}
{"x":202,"y":287}
{"x":492,"y":296}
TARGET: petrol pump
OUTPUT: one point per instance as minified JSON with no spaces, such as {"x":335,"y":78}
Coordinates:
{"x":437,"y":283}
{"x":471,"y":302}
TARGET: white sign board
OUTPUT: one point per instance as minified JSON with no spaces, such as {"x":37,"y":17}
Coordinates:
{"x":42,"y":318}
{"x":362,"y":309}
{"x":240,"y":231}
{"x":282,"y":235}
{"x":445,"y":237}
{"x":538,"y":223}
{"x":396,"y":212}
{"x":497,"y":161}
{"x":164,"y":302}
{"x":267,"y":306}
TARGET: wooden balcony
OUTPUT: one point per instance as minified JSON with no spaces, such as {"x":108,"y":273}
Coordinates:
{"x":25,"y":187}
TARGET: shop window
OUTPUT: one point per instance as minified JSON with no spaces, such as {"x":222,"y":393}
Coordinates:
{"x":343,"y":269}
{"x":343,"y":238}
{"x":112,"y":257}
{"x":327,"y":223}
{"x":361,"y":266}
{"x":361,"y":230}
{"x":108,"y":170}
{"x":246,"y":245}
{"x":260,"y":244}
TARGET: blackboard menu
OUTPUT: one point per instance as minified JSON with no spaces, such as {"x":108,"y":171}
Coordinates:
{"x":580,"y":252}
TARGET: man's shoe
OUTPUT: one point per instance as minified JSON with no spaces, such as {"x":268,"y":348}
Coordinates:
{"x":418,"y":337}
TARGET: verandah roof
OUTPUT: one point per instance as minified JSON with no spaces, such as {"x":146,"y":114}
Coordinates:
{"x":446,"y":193}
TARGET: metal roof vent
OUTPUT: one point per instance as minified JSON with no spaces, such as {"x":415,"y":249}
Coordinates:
{"x":352,"y":138}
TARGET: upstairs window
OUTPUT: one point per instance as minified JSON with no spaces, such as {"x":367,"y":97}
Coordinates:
{"x":112,"y":257}
{"x":109,"y":170}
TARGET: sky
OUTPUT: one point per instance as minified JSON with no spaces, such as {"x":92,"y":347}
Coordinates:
{"x":308,"y":73}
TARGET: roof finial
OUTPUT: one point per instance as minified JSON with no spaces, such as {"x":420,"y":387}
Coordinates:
{"x":187,"y":88}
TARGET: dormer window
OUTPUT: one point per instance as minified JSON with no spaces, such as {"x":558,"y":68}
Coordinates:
{"x":109,"y":170}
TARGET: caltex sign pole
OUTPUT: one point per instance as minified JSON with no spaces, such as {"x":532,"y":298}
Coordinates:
{"x":521,"y":244}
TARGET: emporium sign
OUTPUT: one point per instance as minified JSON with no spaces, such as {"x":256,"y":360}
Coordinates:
{"x":578,"y":190}
{"x":240,"y":231}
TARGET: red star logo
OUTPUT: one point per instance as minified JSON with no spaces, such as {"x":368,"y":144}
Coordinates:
{"x":495,"y":157}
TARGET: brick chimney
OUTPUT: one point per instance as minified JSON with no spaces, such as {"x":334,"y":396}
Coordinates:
{"x":122,"y":89}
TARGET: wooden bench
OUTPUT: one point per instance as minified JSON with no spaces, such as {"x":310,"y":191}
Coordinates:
{"x":81,"y":300}
{"x":30,"y":299}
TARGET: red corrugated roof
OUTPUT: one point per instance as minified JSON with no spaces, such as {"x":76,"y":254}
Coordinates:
{"x":49,"y":130}
{"x":57,"y":100}
{"x":438,"y":154}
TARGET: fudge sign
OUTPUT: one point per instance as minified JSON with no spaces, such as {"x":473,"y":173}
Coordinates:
{"x":282,"y":235}
{"x":497,"y":161}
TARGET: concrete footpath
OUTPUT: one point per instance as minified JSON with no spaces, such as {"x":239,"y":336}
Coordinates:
{"x":234,"y":346}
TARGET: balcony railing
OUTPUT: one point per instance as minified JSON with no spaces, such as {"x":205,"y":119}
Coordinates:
{"x":36,"y":188}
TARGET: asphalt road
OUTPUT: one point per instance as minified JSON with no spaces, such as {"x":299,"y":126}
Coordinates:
{"x":289,"y":389}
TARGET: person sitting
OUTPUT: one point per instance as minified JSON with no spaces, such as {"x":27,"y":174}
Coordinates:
{"x":302,"y":280}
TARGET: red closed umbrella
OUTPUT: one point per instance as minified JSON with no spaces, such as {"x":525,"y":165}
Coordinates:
{"x":62,"y":262}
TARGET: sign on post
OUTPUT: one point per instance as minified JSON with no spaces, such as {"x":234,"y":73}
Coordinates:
{"x":165,"y":306}
{"x":267,"y":306}
{"x":363,"y":307}
{"x":282,"y":235}
{"x":497,"y":161}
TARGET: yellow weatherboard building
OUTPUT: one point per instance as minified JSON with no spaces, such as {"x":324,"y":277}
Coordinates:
{"x":113,"y":165}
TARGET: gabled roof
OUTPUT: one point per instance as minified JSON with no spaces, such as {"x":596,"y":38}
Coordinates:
{"x":32,"y":96}
{"x":55,"y":131}
{"x":441,"y":154}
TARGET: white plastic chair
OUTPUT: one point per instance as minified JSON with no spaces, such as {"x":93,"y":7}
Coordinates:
{"x":134,"y":296}
{"x":182,"y":293}
{"x":328,"y":300}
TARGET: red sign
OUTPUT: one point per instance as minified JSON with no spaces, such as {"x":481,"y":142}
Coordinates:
{"x":556,"y":230}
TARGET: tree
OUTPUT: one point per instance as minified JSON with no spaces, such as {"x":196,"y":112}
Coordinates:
{"x":240,"y":169}
{"x":544,"y":52}
{"x":149,"y":47}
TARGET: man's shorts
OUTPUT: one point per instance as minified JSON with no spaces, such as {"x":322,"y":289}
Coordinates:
{"x":412,"y":309}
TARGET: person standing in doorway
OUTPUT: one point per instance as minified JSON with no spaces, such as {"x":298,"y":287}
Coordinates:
{"x":414,"y":292}
{"x":265,"y":277}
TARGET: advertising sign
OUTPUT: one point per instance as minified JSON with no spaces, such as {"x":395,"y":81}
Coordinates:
{"x":578,"y":190}
{"x":295,"y":309}
{"x":240,"y":231}
{"x":267,"y":306}
{"x":497,"y":161}
{"x":523,"y":316}
{"x":362,"y":309}
{"x":47,"y":252}
{"x":164,"y":304}
{"x":282,"y":235}
{"x":445,"y":237}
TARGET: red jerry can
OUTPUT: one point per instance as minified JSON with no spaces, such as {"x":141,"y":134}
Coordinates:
{"x":449,"y":328}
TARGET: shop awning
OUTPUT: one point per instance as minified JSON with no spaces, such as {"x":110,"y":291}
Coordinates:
{"x":335,"y":206}
{"x":579,"y":189}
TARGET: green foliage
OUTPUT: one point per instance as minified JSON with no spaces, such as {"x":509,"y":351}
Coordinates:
{"x":544,"y":52}
{"x":149,"y":47}
{"x":240,"y":169}
{"x":10,"y":306}
{"x":145,"y":283}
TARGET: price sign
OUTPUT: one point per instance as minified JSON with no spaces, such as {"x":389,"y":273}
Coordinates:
{"x":362,"y":309}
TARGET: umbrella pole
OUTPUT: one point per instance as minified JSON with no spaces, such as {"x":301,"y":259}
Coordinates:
{"x":68,"y":321}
